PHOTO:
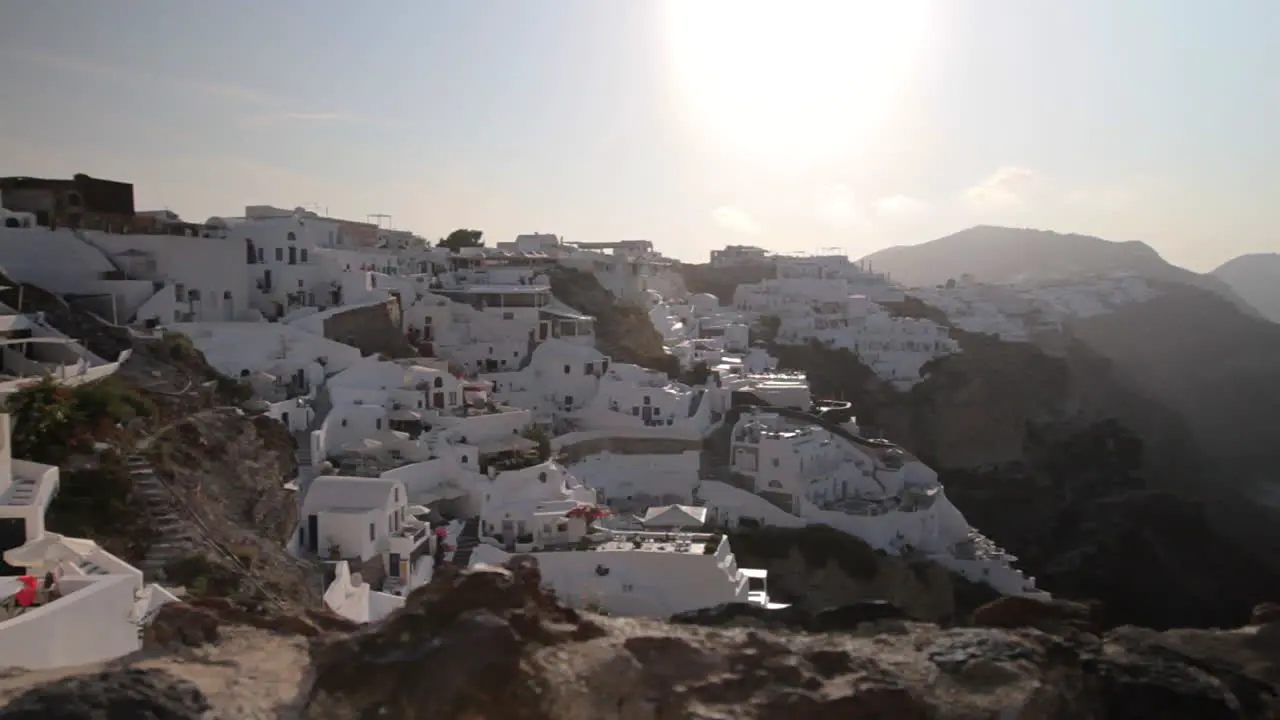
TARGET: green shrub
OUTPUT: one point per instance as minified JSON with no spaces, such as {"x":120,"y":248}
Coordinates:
{"x":51,"y":421}
{"x":93,"y":501}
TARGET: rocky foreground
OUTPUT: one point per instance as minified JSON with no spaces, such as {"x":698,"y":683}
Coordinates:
{"x":491,"y":643}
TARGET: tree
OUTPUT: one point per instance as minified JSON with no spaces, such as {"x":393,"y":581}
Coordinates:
{"x":462,"y":238}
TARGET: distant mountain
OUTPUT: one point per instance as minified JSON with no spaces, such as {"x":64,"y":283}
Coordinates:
{"x":1256,"y":279}
{"x":1006,"y":255}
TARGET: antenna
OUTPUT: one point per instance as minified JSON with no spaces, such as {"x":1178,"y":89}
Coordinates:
{"x":377,"y":219}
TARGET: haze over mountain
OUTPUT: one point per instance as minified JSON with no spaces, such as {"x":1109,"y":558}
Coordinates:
{"x":1198,"y":348}
{"x":1007,"y":255}
{"x":1256,"y":279}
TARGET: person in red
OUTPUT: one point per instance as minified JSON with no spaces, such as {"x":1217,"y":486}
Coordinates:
{"x":26,"y":597}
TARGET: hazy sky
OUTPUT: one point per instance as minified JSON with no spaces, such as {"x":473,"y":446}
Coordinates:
{"x":797,"y":125}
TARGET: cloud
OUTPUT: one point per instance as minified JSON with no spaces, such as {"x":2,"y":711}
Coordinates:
{"x":736,"y":219}
{"x":898,"y":205}
{"x":838,"y":207}
{"x":1007,"y":186}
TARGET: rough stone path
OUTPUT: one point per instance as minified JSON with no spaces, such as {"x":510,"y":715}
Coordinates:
{"x":173,"y":536}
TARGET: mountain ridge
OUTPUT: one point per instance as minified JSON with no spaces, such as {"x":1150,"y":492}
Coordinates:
{"x":1255,"y":277}
{"x":999,"y":255}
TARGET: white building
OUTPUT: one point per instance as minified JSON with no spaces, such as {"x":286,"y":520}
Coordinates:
{"x":739,"y":255}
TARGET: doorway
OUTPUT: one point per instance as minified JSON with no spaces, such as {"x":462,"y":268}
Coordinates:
{"x":313,"y":531}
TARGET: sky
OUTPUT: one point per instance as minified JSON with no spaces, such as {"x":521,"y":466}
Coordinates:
{"x":800,"y":126}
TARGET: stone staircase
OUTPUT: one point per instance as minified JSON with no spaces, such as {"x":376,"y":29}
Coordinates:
{"x":173,"y":537}
{"x":468,"y":539}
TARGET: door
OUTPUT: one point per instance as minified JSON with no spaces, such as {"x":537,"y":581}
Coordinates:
{"x":393,"y":565}
{"x":313,"y":530}
{"x":438,"y":400}
{"x":293,"y":255}
{"x":542,"y":330}
{"x":266,"y":281}
{"x":647,"y":414}
{"x":509,"y":535}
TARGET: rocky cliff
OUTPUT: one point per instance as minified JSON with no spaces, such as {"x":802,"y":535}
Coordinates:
{"x":817,"y":568}
{"x":228,"y":474}
{"x":491,"y":643}
{"x":623,"y":333}
{"x":373,"y":328}
{"x":1093,"y":465}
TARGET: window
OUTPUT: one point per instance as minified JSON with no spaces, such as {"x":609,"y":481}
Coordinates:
{"x":262,"y":254}
{"x":395,"y":494}
{"x":775,"y":462}
{"x":299,"y":282}
{"x":438,"y":382}
{"x":179,"y":292}
{"x":302,"y":254}
{"x":508,"y":316}
{"x":590,"y":368}
{"x":646,"y":399}
{"x":344,"y":422}
{"x":291,"y":237}
{"x":453,"y":398}
{"x":628,"y":587}
{"x":279,"y":254}
{"x":567,"y":370}
{"x":226,"y":294}
{"x":378,"y":423}
{"x":372,"y":532}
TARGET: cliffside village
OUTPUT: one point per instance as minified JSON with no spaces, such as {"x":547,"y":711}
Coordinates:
{"x":448,"y":407}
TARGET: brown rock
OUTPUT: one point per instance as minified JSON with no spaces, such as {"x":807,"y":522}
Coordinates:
{"x":1022,"y":612}
{"x":490,"y":642}
{"x":182,"y":624}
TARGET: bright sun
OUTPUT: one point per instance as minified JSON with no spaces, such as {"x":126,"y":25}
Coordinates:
{"x":792,"y":80}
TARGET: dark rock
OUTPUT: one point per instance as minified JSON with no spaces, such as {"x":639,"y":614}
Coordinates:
{"x":845,"y":617}
{"x":490,"y":642}
{"x":131,"y":693}
{"x":849,"y":617}
{"x":182,"y":624}
{"x":1048,"y":615}
{"x":1265,"y":613}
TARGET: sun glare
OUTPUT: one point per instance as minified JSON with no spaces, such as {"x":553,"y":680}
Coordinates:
{"x":792,"y":80}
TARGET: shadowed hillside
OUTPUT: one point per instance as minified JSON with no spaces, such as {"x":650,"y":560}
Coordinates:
{"x":1256,"y":279}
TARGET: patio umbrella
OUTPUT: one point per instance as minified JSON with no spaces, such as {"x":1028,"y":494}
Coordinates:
{"x":50,"y":550}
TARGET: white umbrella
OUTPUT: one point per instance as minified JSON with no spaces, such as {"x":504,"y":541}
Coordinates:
{"x":405,"y":415}
{"x":50,"y":550}
{"x":418,"y":510}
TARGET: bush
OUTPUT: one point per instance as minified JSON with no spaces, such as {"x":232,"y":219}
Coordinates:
{"x":540,"y":436}
{"x":92,"y":502}
{"x":50,"y":421}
